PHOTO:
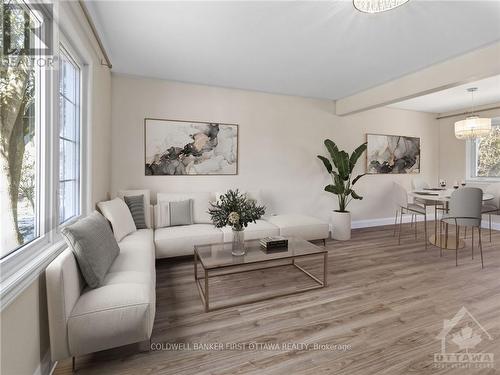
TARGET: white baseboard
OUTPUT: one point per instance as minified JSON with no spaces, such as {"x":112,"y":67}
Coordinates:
{"x":485,"y":224}
{"x":46,"y":366}
{"x":406,"y":219}
{"x":382,"y":221}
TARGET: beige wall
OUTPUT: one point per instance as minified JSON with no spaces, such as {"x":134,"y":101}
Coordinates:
{"x":24,"y":327}
{"x":451,"y":152}
{"x":24,"y":331}
{"x":279,"y":139}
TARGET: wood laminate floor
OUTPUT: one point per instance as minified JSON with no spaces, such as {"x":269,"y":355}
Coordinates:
{"x":383,"y":308}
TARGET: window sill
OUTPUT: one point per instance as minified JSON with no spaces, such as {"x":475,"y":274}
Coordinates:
{"x":19,"y":273}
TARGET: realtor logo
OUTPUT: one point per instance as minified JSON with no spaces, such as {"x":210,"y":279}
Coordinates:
{"x":26,"y":30}
{"x":463,"y":334}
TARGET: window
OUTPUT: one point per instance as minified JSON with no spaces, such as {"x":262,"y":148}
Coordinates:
{"x":40,"y":160}
{"x":484,"y":155}
{"x":42,"y":139}
{"x":69,"y":138}
{"x":21,"y":116}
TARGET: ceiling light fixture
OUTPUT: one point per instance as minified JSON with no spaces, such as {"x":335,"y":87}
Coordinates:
{"x":377,"y":6}
{"x":473,"y":126}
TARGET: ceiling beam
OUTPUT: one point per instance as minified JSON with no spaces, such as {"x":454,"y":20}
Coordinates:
{"x":473,"y":66}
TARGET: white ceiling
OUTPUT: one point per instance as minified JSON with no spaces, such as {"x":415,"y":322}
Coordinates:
{"x":455,"y":98}
{"x":323,"y":49}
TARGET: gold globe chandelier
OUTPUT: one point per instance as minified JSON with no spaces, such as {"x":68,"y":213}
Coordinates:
{"x":473,"y":126}
{"x":377,"y":6}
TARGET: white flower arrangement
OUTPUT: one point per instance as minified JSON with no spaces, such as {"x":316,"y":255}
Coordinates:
{"x":233,"y":218}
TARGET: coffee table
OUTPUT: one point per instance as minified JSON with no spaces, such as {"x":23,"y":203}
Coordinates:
{"x":217,"y":260}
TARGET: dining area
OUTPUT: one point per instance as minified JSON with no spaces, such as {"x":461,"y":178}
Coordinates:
{"x":456,"y":214}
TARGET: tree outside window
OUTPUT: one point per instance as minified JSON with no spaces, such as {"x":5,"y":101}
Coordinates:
{"x":488,"y":154}
{"x":18,"y":148}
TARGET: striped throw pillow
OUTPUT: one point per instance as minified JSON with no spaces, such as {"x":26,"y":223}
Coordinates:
{"x":135,"y":204}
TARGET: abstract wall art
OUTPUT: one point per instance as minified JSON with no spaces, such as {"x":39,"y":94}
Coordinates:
{"x":173,"y":147}
{"x":392,"y":154}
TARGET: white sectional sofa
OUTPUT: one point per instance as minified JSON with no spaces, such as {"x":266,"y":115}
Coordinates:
{"x":173,"y":241}
{"x":122,"y":310}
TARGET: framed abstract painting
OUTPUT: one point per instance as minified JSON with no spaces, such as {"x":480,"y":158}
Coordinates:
{"x":174,"y":147}
{"x":392,"y":154}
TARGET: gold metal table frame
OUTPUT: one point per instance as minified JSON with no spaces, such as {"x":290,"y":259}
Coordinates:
{"x":202,"y":282}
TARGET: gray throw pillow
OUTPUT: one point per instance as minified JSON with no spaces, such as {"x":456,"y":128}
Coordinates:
{"x":181,"y":213}
{"x":135,"y":204}
{"x":94,"y":246}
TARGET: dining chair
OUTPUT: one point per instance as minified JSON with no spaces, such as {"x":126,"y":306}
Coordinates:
{"x":464,"y":210}
{"x":492,"y":207}
{"x":400,"y":197}
{"x":397,"y":202}
{"x":419,"y":184}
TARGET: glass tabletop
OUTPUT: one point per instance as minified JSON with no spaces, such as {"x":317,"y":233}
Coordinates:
{"x":219,"y":255}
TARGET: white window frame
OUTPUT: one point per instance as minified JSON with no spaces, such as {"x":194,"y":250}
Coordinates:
{"x":17,"y":266}
{"x":20,"y":268}
{"x":66,"y":46}
{"x":471,"y":148}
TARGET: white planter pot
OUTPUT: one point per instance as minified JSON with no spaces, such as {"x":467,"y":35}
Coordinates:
{"x":341,"y":226}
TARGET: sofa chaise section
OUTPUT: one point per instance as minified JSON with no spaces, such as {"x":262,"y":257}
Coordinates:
{"x":301,"y":226}
{"x":110,"y":316}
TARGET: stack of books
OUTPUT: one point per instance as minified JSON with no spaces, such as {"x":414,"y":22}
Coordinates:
{"x":274,"y":243}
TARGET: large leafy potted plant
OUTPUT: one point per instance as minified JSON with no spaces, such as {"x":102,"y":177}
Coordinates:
{"x":236,"y":210}
{"x":340,"y":169}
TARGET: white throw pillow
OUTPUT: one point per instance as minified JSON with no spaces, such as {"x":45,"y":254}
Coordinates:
{"x":162,"y":214}
{"x":200,"y":204}
{"x":117,"y":212}
{"x":147,"y":202}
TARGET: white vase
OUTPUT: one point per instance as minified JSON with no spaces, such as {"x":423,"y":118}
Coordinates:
{"x":341,"y":225}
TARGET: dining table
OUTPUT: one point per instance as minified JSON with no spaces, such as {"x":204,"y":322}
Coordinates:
{"x":440,"y":197}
